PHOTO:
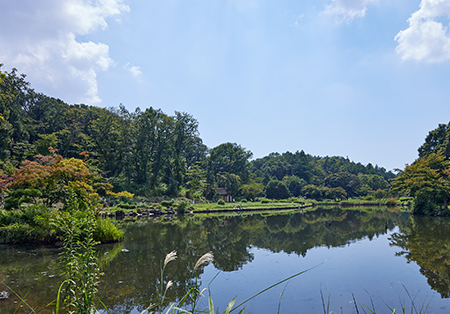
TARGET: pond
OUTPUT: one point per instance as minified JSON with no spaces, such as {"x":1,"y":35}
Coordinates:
{"x":377,"y":256}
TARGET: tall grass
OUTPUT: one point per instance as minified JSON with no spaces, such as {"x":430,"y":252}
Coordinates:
{"x":78,"y":259}
{"x":193,"y":294}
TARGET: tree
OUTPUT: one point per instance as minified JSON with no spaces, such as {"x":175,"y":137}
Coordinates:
{"x":278,"y":168}
{"x":294,"y":184}
{"x":229,"y":158}
{"x":437,"y":140}
{"x":196,"y":180}
{"x":252,"y":190}
{"x":313,"y":192}
{"x":277,"y":190}
{"x":54,"y":176}
{"x":335,"y":193}
{"x":374,"y":181}
{"x":349,"y":182}
{"x":428,"y":181}
{"x":230,"y":181}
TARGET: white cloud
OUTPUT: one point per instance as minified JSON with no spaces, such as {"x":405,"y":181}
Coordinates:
{"x":134,"y":70}
{"x":426,"y":39}
{"x":43,"y":44}
{"x":347,"y":10}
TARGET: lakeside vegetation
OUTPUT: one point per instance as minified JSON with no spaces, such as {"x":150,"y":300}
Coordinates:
{"x":49,"y":148}
{"x":53,"y":154}
{"x":153,"y":154}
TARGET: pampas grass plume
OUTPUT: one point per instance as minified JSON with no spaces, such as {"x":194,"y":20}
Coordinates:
{"x":170,"y":257}
{"x":208,"y":257}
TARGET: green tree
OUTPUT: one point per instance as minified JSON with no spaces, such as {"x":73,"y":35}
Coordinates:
{"x":374,"y":181}
{"x":276,"y":189}
{"x":335,"y":193}
{"x":312,"y":191}
{"x":349,"y":182}
{"x":437,"y":140}
{"x":252,"y":190}
{"x":230,"y":181}
{"x":229,"y":158}
{"x":428,"y":181}
{"x":294,"y":184}
{"x":196,"y":177}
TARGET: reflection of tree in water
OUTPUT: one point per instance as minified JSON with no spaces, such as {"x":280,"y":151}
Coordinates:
{"x":298,"y":233}
{"x":131,"y":278}
{"x":426,"y":241}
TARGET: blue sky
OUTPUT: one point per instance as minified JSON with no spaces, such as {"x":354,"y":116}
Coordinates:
{"x":367,"y":79}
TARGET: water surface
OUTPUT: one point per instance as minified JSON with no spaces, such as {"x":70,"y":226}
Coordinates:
{"x":371,"y":254}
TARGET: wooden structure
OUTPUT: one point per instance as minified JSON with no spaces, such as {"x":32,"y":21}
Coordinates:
{"x":227,"y":197}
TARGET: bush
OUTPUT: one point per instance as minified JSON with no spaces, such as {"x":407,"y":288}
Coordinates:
{"x":264,"y":201}
{"x":221,"y":202}
{"x":392,"y":201}
{"x":244,"y":200}
{"x":106,"y":231}
{"x":166,"y":203}
{"x":127,"y":206}
{"x":182,"y":205}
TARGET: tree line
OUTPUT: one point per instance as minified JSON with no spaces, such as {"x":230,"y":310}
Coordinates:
{"x":151,"y":153}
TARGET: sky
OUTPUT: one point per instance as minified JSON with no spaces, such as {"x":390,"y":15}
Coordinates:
{"x":363,"y":79}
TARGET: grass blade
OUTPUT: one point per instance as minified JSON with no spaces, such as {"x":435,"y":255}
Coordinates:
{"x":211,"y":305}
{"x":22,"y":300}
{"x":230,"y":306}
{"x":281,"y":295}
{"x":274,"y":285}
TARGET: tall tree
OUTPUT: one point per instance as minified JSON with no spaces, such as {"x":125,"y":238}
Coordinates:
{"x":428,"y":181}
{"x":229,"y":158}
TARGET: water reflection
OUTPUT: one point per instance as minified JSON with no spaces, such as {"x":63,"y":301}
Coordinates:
{"x":426,"y":241}
{"x":132,"y":276}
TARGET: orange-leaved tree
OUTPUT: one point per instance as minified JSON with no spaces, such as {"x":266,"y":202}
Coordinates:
{"x":56,"y":176}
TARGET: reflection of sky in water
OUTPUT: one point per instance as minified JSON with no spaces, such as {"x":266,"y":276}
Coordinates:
{"x":354,"y":268}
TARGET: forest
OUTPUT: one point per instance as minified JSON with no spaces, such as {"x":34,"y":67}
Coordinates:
{"x":151,"y":153}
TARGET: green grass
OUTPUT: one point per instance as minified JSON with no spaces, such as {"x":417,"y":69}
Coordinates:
{"x":32,"y":224}
{"x":255,"y":205}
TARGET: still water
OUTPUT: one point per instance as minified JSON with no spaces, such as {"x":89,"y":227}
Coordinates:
{"x":376,"y":256}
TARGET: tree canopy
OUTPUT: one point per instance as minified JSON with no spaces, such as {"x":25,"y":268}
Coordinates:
{"x":151,"y":153}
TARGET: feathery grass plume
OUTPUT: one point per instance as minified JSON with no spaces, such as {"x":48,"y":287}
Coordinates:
{"x":170,"y":257}
{"x":169,"y":284}
{"x":208,"y":257}
{"x":201,"y":293}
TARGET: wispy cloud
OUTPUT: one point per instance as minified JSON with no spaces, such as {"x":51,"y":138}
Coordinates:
{"x":426,"y":39}
{"x":43,"y":44}
{"x":134,"y":70}
{"x":347,"y":10}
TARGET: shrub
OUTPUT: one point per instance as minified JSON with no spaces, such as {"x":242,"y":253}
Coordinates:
{"x":127,"y":206}
{"x":182,"y":205}
{"x":392,"y":201}
{"x":166,"y":203}
{"x":244,"y":200}
{"x":106,"y":231}
{"x":221,"y":202}
{"x":264,"y":201}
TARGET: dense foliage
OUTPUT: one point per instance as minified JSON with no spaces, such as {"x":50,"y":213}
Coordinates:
{"x":428,"y":178}
{"x":149,"y":153}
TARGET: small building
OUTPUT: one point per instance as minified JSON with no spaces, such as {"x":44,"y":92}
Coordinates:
{"x":227,"y":197}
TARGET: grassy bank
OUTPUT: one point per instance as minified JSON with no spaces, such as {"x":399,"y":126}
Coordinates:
{"x":185,"y":205}
{"x":34,"y":224}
